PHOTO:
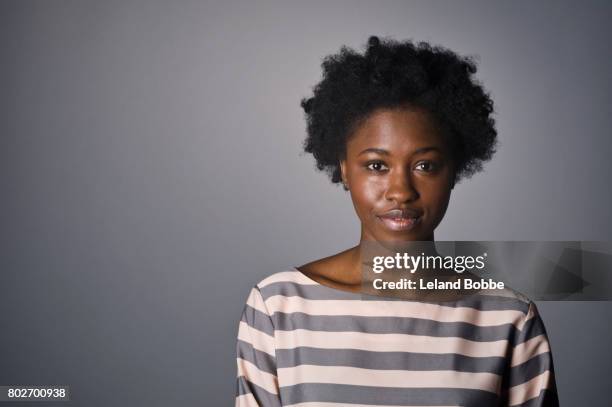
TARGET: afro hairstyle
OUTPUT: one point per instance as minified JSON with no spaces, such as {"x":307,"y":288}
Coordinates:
{"x":392,"y":74}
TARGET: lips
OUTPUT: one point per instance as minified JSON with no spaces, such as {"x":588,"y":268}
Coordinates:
{"x":401,"y":220}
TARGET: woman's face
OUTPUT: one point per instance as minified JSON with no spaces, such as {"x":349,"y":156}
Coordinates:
{"x":400,"y":175}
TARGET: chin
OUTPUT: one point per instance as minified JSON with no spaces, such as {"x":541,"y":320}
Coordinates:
{"x":420,"y":232}
{"x":405,"y":237}
{"x":409,"y":239}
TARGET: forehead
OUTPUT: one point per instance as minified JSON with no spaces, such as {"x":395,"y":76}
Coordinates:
{"x":399,"y":131}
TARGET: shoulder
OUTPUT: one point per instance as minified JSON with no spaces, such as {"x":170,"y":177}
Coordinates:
{"x":288,"y":277}
{"x":506,"y":299}
{"x":280,"y":292}
{"x":290,"y":282}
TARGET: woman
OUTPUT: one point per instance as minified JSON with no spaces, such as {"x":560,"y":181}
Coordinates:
{"x":398,"y":126}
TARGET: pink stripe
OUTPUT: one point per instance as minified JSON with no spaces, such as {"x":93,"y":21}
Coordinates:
{"x":528,"y":349}
{"x":287,"y":276}
{"x":435,"y":312}
{"x":388,"y":378}
{"x":531,"y":389}
{"x":252,"y":373}
{"x":319,"y":404}
{"x":246,"y":400}
{"x":255,"y":301}
{"x":258,"y":339}
{"x":388,"y":343}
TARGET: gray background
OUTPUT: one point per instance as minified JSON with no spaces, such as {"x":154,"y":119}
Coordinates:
{"x":151,"y":173}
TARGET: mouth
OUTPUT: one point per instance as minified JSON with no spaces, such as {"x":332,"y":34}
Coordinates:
{"x":400,"y":224}
{"x":400,"y":220}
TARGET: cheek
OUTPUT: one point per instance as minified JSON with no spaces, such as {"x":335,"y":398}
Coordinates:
{"x":437,"y":198}
{"x":365,"y":195}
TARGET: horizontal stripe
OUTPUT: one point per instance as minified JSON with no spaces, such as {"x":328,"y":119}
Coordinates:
{"x":392,"y":308}
{"x":414,"y":326}
{"x":531,"y":328}
{"x":531,"y":314}
{"x":526,"y":350}
{"x":319,"y":404}
{"x":262,"y":360}
{"x":528,"y":390}
{"x":255,"y":300}
{"x":246,"y":400}
{"x":251,"y":372}
{"x":310,"y":345}
{"x":262,"y":397}
{"x":388,"y":378}
{"x":546,"y":398}
{"x":387,"y":360}
{"x":292,"y":276}
{"x":388,"y":396}
{"x":258,"y":320}
{"x":530,"y":369}
{"x":258,"y":339}
{"x":388,"y":343}
{"x":320,"y":292}
{"x":308,"y":291}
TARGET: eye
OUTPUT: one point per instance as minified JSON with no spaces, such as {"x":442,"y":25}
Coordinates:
{"x":376,"y":166}
{"x":426,"y":166}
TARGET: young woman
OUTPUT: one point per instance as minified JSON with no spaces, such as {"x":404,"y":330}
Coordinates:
{"x":398,"y":126}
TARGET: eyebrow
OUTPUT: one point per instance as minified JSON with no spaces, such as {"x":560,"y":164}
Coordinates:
{"x":385,"y":152}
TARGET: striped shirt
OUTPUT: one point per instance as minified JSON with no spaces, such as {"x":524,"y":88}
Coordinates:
{"x":304,"y":344}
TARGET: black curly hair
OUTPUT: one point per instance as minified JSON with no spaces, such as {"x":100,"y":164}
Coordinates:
{"x":393,"y":74}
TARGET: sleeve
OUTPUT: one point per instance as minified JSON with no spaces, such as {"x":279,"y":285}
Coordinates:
{"x":256,"y":379}
{"x":530,"y":380}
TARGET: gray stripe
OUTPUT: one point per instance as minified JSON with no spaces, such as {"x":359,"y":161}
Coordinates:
{"x":388,"y":360}
{"x":389,"y":396}
{"x":258,"y":320}
{"x":547,"y":398}
{"x":530,"y":369}
{"x":385,"y":325}
{"x":320,"y":292}
{"x":531,"y":329}
{"x":263,"y":397}
{"x":310,"y":292}
{"x":260,"y":359}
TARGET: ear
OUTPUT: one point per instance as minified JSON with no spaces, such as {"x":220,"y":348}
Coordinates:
{"x":343,"y":174}
{"x":343,"y":170}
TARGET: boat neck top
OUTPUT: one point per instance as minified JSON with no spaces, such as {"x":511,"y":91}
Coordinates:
{"x":302,"y":343}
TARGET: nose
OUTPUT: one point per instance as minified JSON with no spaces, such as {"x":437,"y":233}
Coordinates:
{"x":401,"y":187}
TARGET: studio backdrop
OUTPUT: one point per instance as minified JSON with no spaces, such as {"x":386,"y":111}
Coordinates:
{"x":152,"y":171}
